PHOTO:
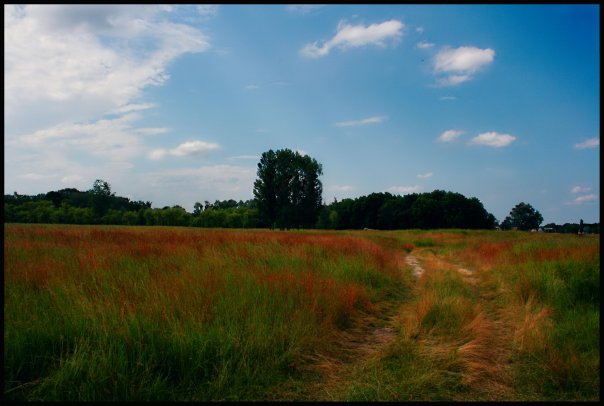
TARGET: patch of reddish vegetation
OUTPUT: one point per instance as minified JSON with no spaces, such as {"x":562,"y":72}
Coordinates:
{"x":186,"y":267}
{"x":554,"y":254}
{"x":484,"y":254}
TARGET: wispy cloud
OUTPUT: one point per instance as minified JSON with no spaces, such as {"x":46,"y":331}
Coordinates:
{"x":580,"y":189}
{"x":590,"y":143}
{"x":251,"y":87}
{"x":425,"y":175}
{"x":365,"y":121}
{"x":584,"y":199}
{"x":459,"y":64}
{"x":82,"y":72}
{"x":404,"y":189}
{"x":115,"y":139}
{"x":492,"y":139}
{"x":184,"y":149}
{"x":351,"y":36}
{"x":64,"y":56}
{"x":128,"y":108}
{"x":194,"y":184}
{"x":447,"y":98}
{"x":449,"y":135}
{"x":424,"y":45}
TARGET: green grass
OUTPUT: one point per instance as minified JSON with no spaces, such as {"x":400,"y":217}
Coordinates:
{"x":170,"y":314}
{"x":118,"y":313}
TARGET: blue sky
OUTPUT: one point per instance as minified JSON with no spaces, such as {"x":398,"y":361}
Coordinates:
{"x":175,"y":104}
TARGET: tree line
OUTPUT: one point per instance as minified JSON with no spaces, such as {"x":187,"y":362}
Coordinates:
{"x":287,"y":194}
{"x":71,"y":206}
{"x":437,"y":209}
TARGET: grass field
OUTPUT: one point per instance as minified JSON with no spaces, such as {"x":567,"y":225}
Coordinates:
{"x":156,"y":313}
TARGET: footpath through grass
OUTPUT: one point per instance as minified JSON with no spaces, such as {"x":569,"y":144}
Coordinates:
{"x":495,"y":316}
{"x":153,"y":313}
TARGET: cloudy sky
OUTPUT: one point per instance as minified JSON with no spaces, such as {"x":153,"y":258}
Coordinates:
{"x":175,"y":104}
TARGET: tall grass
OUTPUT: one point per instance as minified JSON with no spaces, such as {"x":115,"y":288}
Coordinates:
{"x":548,"y":293}
{"x":118,"y":313}
{"x":525,"y":328}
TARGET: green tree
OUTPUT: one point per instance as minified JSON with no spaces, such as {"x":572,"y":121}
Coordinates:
{"x":524,"y":217}
{"x":197,"y":208}
{"x":288,"y":190}
{"x":100,"y":197}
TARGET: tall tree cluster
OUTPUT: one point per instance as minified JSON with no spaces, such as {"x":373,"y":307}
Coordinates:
{"x":523,"y":217}
{"x":288,"y":189}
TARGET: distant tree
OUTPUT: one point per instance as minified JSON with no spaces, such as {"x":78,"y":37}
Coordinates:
{"x":100,"y":197}
{"x":524,"y":217}
{"x":288,"y":190}
{"x":197,"y":208}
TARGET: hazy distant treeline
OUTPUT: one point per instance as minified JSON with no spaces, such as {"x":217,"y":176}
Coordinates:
{"x":437,"y":209}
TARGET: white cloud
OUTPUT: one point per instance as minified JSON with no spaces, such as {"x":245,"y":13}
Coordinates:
{"x":453,"y":80}
{"x":459,"y":64}
{"x":404,"y":189}
{"x":580,"y":189}
{"x":82,"y":61}
{"x":449,"y":135}
{"x":151,"y":130}
{"x":114,"y":139}
{"x":75,"y":77}
{"x":419,"y":30}
{"x":194,"y":148}
{"x":447,"y":98}
{"x":251,"y":87}
{"x":188,"y":148}
{"x":189,"y":185}
{"x":365,"y":121}
{"x":492,"y":139}
{"x":128,"y":108}
{"x":425,"y":175}
{"x":584,"y":199}
{"x":424,"y":45}
{"x":590,"y":143}
{"x":349,"y":36}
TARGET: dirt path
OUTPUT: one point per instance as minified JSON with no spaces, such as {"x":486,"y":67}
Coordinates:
{"x":485,"y":358}
{"x":370,"y":335}
{"x":413,"y":262}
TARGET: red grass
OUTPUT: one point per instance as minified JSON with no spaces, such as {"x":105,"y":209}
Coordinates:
{"x":185,"y":267}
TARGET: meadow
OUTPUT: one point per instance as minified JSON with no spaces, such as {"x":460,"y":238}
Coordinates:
{"x":164,"y":313}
